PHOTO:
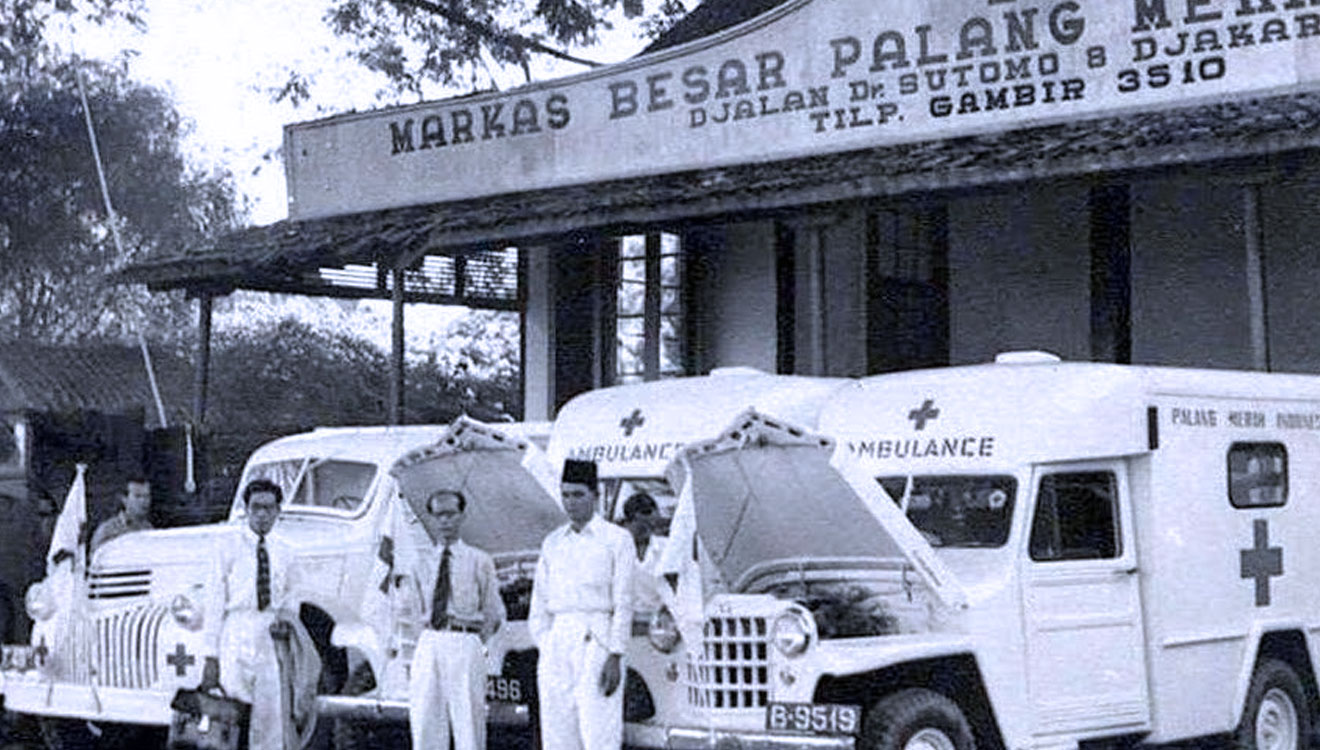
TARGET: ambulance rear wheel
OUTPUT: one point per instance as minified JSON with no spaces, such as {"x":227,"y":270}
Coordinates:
{"x":1276,"y":716}
{"x":916,"y":719}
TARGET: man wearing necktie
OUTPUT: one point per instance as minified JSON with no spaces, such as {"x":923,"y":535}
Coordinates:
{"x":248,"y":584}
{"x":580,"y":619}
{"x":462,"y":608}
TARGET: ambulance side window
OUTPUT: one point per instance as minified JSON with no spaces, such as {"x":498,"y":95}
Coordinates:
{"x":1257,"y":475}
{"x":1076,"y":517}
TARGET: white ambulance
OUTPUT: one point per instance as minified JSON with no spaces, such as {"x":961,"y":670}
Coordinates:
{"x":632,"y":432}
{"x":108,"y":672}
{"x":1025,"y":554}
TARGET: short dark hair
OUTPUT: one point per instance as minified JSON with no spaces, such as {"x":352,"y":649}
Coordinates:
{"x":462,"y":501}
{"x":135,"y":478}
{"x":262,"y":485}
{"x":640,"y":502}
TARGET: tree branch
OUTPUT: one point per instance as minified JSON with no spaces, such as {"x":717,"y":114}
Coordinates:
{"x":490,"y":32}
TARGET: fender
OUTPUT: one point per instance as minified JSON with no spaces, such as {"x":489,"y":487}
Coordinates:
{"x":363,"y":637}
{"x":859,"y":655}
{"x":1251,"y":650}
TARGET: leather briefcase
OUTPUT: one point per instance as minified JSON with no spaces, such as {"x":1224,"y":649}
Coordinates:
{"x":208,"y":721}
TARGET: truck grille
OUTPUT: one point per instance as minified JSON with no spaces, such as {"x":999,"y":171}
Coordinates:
{"x":118,"y":584}
{"x":119,"y":649}
{"x":733,"y":668}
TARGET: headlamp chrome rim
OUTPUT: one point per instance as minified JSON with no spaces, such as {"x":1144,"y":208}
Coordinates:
{"x":186,"y":612}
{"x":792,"y":633}
{"x":663,"y":632}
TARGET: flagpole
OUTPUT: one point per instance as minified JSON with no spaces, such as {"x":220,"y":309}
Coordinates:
{"x":96,"y":158}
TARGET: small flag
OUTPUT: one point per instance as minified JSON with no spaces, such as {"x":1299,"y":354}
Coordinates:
{"x":66,"y":542}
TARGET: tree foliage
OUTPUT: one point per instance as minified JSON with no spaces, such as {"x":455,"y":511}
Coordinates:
{"x":290,"y":376}
{"x":453,"y":43}
{"x":56,"y":283}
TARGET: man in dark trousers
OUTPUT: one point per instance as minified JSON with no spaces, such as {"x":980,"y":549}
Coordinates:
{"x":462,"y":608}
{"x":580,"y":619}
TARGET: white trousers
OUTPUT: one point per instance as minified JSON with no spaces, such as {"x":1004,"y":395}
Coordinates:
{"x":250,"y":672}
{"x":574,"y":714}
{"x":447,"y":689}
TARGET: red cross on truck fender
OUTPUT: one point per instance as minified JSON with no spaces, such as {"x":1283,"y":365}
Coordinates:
{"x":1261,"y":561}
{"x":180,"y":660}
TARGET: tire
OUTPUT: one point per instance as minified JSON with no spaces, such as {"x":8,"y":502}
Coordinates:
{"x":77,"y":734}
{"x":1276,"y":715}
{"x":916,"y":719}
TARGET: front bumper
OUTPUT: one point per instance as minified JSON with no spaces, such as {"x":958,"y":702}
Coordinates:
{"x":690,"y":738}
{"x":30,"y":693}
{"x":360,"y":708}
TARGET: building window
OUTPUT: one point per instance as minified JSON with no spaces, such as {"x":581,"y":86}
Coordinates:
{"x":649,"y":308}
{"x":1257,"y":475}
{"x":908,"y":287}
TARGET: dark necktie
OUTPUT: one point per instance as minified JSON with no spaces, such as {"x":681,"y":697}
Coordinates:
{"x":263,"y":574}
{"x":440,"y":601}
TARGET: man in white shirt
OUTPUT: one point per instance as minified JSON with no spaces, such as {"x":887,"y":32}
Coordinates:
{"x":641,"y":517}
{"x":580,"y":619}
{"x":134,"y":513}
{"x":249,"y":583}
{"x":461,"y":608}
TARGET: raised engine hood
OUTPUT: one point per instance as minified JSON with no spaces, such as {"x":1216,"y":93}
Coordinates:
{"x":508,"y":483}
{"x":765,"y":495}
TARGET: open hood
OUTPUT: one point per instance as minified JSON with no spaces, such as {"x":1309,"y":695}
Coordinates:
{"x":508,"y":482}
{"x":766,"y":495}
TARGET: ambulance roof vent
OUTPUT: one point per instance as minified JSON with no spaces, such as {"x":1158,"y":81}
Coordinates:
{"x":721,"y":371}
{"x":1032,"y":357}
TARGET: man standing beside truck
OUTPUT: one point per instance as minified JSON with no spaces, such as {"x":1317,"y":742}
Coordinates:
{"x":134,"y":515}
{"x":248,"y":584}
{"x":581,"y":619}
{"x":462,"y":609}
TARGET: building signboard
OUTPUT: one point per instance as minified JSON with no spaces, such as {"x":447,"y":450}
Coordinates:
{"x":812,"y":76}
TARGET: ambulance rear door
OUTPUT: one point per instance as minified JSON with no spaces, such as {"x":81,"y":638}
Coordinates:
{"x":1086,"y":670}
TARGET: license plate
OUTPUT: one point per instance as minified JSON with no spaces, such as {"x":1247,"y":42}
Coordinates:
{"x":813,"y":718}
{"x":17,"y":658}
{"x":505,"y":690}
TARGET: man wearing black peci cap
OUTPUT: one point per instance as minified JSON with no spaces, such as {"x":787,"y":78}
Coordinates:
{"x":580,"y":619}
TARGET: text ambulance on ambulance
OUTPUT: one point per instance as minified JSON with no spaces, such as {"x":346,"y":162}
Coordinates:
{"x":632,"y":432}
{"x":104,"y":662}
{"x":1029,"y":553}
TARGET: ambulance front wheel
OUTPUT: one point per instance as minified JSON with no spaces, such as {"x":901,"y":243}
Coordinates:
{"x":1276,"y":716}
{"x":916,"y":719}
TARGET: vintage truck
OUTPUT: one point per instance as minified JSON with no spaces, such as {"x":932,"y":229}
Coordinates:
{"x":103,"y":664}
{"x":1025,"y":554}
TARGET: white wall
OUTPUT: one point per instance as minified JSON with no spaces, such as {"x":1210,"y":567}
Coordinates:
{"x":740,"y":298}
{"x":1189,"y":293}
{"x":1019,"y":273}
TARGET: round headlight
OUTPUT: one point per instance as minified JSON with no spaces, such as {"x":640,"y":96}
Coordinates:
{"x":186,"y":612}
{"x":663,"y":632}
{"x":38,"y":602}
{"x":791,"y":633}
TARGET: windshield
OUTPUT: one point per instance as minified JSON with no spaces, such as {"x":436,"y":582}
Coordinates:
{"x":956,"y":510}
{"x":319,"y":483}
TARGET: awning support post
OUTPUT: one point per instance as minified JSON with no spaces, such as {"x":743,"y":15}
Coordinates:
{"x":202,"y":375}
{"x":396,"y":354}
